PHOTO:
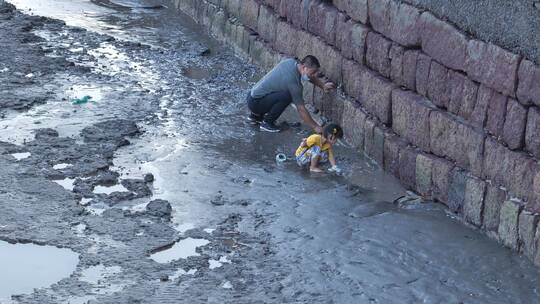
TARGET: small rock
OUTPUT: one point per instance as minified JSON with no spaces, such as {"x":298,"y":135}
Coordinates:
{"x":148,"y":178}
{"x":218,"y":200}
{"x":205,"y":52}
{"x":160,"y":208}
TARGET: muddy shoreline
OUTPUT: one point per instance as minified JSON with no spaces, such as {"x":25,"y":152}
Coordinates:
{"x":162,"y":156}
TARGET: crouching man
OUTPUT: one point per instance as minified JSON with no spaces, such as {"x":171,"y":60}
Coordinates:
{"x":282,"y":86}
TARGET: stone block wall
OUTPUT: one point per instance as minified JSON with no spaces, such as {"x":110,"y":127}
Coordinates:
{"x":456,"y":119}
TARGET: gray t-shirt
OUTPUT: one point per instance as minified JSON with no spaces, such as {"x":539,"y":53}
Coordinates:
{"x":283,"y":77}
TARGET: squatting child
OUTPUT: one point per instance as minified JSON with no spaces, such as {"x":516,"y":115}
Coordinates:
{"x":317,"y":149}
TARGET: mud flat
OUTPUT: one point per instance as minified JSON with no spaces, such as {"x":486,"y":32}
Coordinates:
{"x":162,"y":162}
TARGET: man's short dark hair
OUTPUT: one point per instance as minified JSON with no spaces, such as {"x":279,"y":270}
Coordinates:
{"x":311,"y":62}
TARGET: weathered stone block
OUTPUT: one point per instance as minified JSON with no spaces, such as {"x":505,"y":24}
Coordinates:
{"x":274,"y":4}
{"x":528,"y":91}
{"x":536,"y":259}
{"x":353,"y":123}
{"x":267,"y":24}
{"x":377,"y":149}
{"x":493,"y":201}
{"x":200,"y":11}
{"x":374,"y":141}
{"x":393,"y":144}
{"x":330,"y":104}
{"x":536,"y":191}
{"x":496,"y":114}
{"x":305,"y":43}
{"x":440,"y":174}
{"x":377,"y":54}
{"x":232,"y":7}
{"x":532,"y":135}
{"x":528,"y":223}
{"x":515,"y":170}
{"x":492,"y":66}
{"x":473,"y":204}
{"x":424,"y":167}
{"x":309,"y":93}
{"x":256,"y":50}
{"x":286,"y":38}
{"x":463,"y":94}
{"x":410,"y":118}
{"x":330,"y":59}
{"x":478,"y":116}
{"x":318,"y":100}
{"x":438,"y":89}
{"x":379,"y":15}
{"x":423,"y":64}
{"x":397,"y":21}
{"x":457,"y":141}
{"x":405,"y":27}
{"x":443,"y":42}
{"x":352,"y":78}
{"x":343,"y":35}
{"x":396,"y":64}
{"x":242,"y":39}
{"x":322,"y":21}
{"x":249,"y":13}
{"x":219,"y":25}
{"x":456,"y":189}
{"x":409,"y":69}
{"x":295,"y":13}
{"x":508,"y":223}
{"x":495,"y":166}
{"x":514,"y":125}
{"x":521,"y":178}
{"x":376,"y":96}
{"x":359,"y":34}
{"x":455,"y":87}
{"x":336,"y":105}
{"x":407,"y":167}
{"x":356,"y":9}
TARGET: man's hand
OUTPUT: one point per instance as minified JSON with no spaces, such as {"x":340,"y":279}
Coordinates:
{"x":328,"y":87}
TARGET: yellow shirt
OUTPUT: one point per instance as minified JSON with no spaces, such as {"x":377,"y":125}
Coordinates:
{"x":315,"y":140}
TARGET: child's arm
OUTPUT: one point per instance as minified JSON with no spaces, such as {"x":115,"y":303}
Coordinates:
{"x":331,"y":157}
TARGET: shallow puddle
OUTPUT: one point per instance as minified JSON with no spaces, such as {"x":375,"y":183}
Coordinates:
{"x":27,"y":266}
{"x":19,"y":156}
{"x":61,"y":166}
{"x":216,"y":264}
{"x":67,"y":183}
{"x":110,"y":189}
{"x":182,"y":228}
{"x":181,"y":272}
{"x":85,"y":201}
{"x":180,"y":250}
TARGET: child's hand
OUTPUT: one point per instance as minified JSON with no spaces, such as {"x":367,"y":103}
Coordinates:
{"x":335,"y":169}
{"x":315,"y":170}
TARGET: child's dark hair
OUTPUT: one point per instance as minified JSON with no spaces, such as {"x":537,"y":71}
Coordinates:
{"x":333,"y":129}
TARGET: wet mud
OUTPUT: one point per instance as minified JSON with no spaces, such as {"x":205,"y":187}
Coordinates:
{"x":167,"y":195}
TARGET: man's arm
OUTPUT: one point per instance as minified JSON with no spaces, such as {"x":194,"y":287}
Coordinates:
{"x":326,"y":86}
{"x":306,"y":117}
